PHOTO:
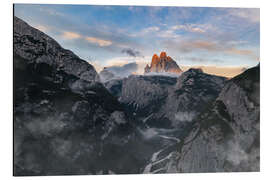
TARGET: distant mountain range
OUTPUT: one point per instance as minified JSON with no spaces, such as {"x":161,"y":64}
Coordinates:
{"x":68,"y":120}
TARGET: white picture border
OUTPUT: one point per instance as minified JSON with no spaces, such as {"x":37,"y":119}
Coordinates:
{"x":6,"y":81}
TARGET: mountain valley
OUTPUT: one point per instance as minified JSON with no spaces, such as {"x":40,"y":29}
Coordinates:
{"x":68,"y":120}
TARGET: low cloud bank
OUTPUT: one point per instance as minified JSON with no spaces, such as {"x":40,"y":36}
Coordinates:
{"x":124,"y":70}
{"x":116,"y":72}
{"x":162,"y":74}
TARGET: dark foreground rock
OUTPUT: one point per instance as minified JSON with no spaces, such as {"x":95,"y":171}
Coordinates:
{"x":65,"y":120}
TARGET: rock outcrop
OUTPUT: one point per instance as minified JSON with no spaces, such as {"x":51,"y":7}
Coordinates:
{"x":35,"y":46}
{"x":65,"y":120}
{"x":163,"y":63}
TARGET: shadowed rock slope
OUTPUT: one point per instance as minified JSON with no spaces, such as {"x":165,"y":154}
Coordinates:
{"x":226,"y":137}
{"x":65,"y":120}
{"x":164,"y":101}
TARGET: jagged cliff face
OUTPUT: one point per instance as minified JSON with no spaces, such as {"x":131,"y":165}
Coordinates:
{"x":163,"y":63}
{"x":168,"y":101}
{"x":166,"y":108}
{"x":63,"y":117}
{"x":35,"y":46}
{"x":192,"y":93}
{"x":226,"y":137}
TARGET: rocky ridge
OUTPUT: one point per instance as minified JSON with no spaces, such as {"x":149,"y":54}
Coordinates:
{"x":163,"y":98}
{"x":225,"y":137}
{"x":35,"y":46}
{"x":63,"y":116}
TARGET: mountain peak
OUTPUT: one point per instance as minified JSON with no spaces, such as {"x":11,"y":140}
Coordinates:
{"x":163,"y":54}
{"x":155,"y":59}
{"x":40,"y":48}
{"x":162,"y":63}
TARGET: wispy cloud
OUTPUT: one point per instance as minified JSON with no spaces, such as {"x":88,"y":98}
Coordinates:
{"x":245,"y":52}
{"x":131,"y":52}
{"x":70,"y":35}
{"x":98,"y":41}
{"x":121,"y":61}
{"x":197,"y":28}
{"x":155,"y":31}
{"x":42,"y":28}
{"x":150,"y":29}
{"x":145,"y":31}
{"x":201,"y":45}
{"x":203,"y":59}
{"x":168,"y":34}
{"x":49,"y":11}
{"x":123,"y":70}
{"x":171,"y":31}
{"x":249,"y":14}
{"x":190,"y":46}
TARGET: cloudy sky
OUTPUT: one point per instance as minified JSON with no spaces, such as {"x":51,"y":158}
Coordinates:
{"x":116,"y":35}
